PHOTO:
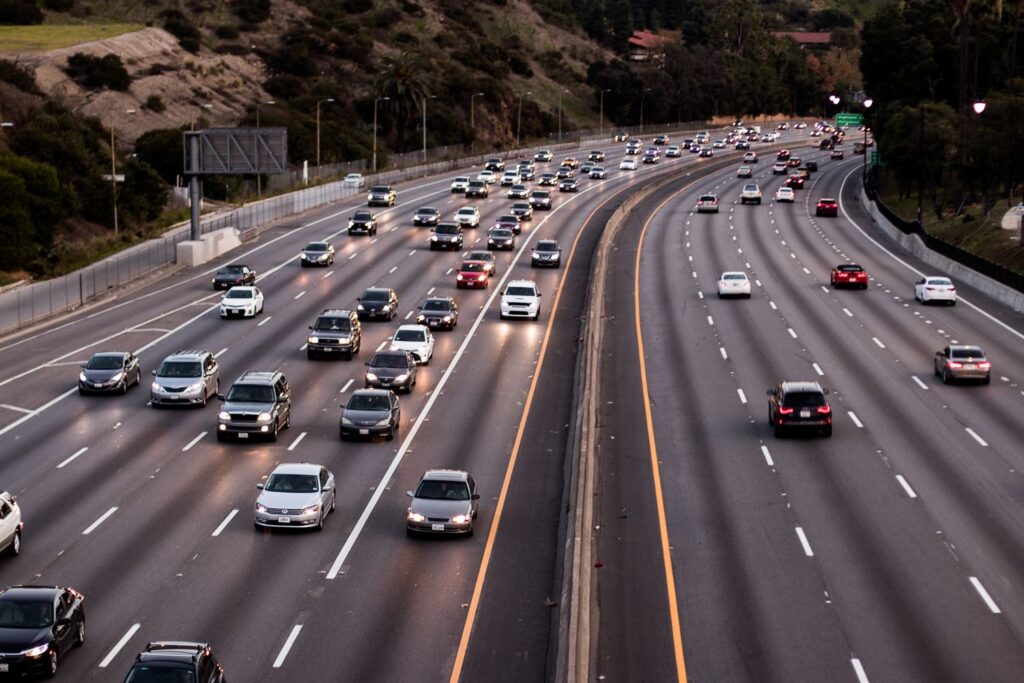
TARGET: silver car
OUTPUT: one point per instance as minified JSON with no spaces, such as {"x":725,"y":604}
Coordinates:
{"x":295,"y":495}
{"x":445,"y":502}
{"x":958,"y":361}
{"x":185,"y":378}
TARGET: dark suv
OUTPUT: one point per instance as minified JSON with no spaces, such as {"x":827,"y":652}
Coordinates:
{"x":800,"y":405}
{"x":362,"y":222}
{"x":257,"y":404}
{"x":378,"y":302}
{"x":446,"y":236}
{"x":335,"y":331}
{"x":176,"y":661}
{"x":394,"y":370}
{"x":234,"y":275}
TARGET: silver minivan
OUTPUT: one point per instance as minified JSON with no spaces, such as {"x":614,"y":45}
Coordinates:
{"x":185,"y":378}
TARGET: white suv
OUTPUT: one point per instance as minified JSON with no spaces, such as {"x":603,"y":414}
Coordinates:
{"x":750,"y":193}
{"x":10,"y":525}
{"x":460,"y":183}
{"x":521,"y":299}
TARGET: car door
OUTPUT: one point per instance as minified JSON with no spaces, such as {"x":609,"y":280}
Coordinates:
{"x":430,"y":346}
{"x":940,"y":358}
{"x":131,"y":365}
{"x":412,"y":365}
{"x":7,"y":523}
{"x":284,"y":401}
{"x":210,"y":374}
{"x":326,"y":489}
{"x":63,"y":633}
{"x":396,"y":410}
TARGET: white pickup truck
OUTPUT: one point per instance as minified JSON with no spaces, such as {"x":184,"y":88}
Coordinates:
{"x":751,"y":193}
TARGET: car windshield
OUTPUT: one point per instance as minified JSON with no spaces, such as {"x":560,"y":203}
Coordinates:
{"x":316,"y":246}
{"x":426,"y":211}
{"x":434,"y":489}
{"x":375,"y":295}
{"x":233,"y":270}
{"x":479,"y":256}
{"x":436,"y":305}
{"x":804,"y":399}
{"x":104,"y":363}
{"x":240,"y":294}
{"x":292,"y":483}
{"x":332,"y":324}
{"x":380,"y":189}
{"x":163,"y":672}
{"x":969,"y":352}
{"x":362,"y":216}
{"x":251,"y":393}
{"x":467,"y":211}
{"x":545,"y":245}
{"x":368,"y":402}
{"x":391,"y":360}
{"x":520,"y":291}
{"x":17,"y":614}
{"x":447,"y":229}
{"x":472,"y":268}
{"x":508,"y":219}
{"x":180,"y":369}
{"x":501,"y":234}
{"x":462,"y":179}
{"x":410,"y":336}
{"x":708,"y":198}
{"x":539,"y":194}
{"x":520,"y":207}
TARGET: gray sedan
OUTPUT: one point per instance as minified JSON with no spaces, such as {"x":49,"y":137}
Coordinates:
{"x":962,"y":362}
{"x":370,"y":412}
{"x":445,"y":502}
{"x":295,"y":495}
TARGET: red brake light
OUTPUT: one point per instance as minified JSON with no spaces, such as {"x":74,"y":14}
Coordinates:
{"x":953,"y":365}
{"x":825,"y":409}
{"x":984,"y":366}
{"x":785,"y":411}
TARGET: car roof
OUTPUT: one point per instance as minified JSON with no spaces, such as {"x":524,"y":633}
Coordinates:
{"x":242,"y":288}
{"x":257,"y":377}
{"x":522,"y":283}
{"x":826,"y":199}
{"x":849,"y":266}
{"x":20,"y":593}
{"x":377,"y":289}
{"x":109,"y":354}
{"x":187,"y":355}
{"x":412,"y":326}
{"x":425,"y":209}
{"x":446,"y":475}
{"x":801,"y":386}
{"x":316,"y":242}
{"x":446,"y":299}
{"x":297,"y":468}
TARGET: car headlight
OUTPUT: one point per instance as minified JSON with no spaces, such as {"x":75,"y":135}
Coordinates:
{"x":369,"y":197}
{"x":351,"y":224}
{"x":387,"y":307}
{"x":490,"y":241}
{"x":224,"y":415}
{"x":155,"y":387}
{"x":433,"y":238}
{"x":415,"y":517}
{"x":303,"y":256}
{"x":421,"y":318}
{"x":402,"y":378}
{"x":385,"y":422}
{"x":81,"y":377}
{"x":359,"y":307}
{"x":447,"y":318}
{"x":346,"y":421}
{"x":535,"y":254}
{"x":312,"y":509}
{"x":460,"y":519}
{"x":260,"y":507}
{"x":195,"y":386}
{"x":322,"y":257}
{"x":371,"y":377}
{"x":313,"y":340}
{"x":37,"y":651}
{"x":459,"y":277}
{"x":263,"y":417}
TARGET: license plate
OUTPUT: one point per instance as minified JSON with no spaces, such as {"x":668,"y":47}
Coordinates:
{"x":969,"y":366}
{"x":98,"y":385}
{"x":284,"y":520}
{"x":364,"y":431}
{"x":434,"y":323}
{"x":437,"y":527}
{"x":243,"y":435}
{"x":5,"y":667}
{"x":805,"y":412}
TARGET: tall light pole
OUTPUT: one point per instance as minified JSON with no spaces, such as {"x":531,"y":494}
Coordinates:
{"x":920,"y":164}
{"x":113,"y":168}
{"x":425,"y":98}
{"x":864,"y":176}
{"x":519,"y":116}
{"x":642,"y":95}
{"x":318,"y":103}
{"x":192,"y":119}
{"x":601,"y":125}
{"x":560,"y":93}
{"x":472,"y":120}
{"x":375,"y":103}
{"x":259,"y":178}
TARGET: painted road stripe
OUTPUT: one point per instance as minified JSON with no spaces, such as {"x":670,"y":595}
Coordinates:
{"x":264,"y":321}
{"x":767,"y":456}
{"x":382,"y":345}
{"x":803,"y":541}
{"x":975,"y":436}
{"x":906,"y":486}
{"x":792,"y":333}
{"x":222,"y":525}
{"x":327,"y":274}
{"x":300,"y":294}
{"x":194,"y":441}
{"x":298,"y":439}
{"x":711,"y":321}
{"x":393,"y":269}
{"x":817,"y":369}
{"x":16,"y":408}
{"x":353,"y":255}
{"x":847,"y":312}
{"x":119,"y":646}
{"x":743,"y":397}
{"x":878,"y":342}
{"x":408,"y":315}
{"x":431,"y":291}
{"x":725,"y":356}
{"x":412,"y":253}
{"x":856,"y":420}
{"x":773,"y":306}
{"x":919,"y":382}
{"x":984,"y":595}
{"x":287,"y":646}
{"x":858,"y":669}
{"x":99,"y":521}
{"x":347,"y":385}
{"x":69,"y":460}
{"x":221,"y":352}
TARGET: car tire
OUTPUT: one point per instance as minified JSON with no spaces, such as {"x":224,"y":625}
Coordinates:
{"x":124,"y":386}
{"x":80,"y":635}
{"x":52,"y":671}
{"x":205,"y":398}
{"x":138,"y":378}
{"x":334,"y":502}
{"x":987,"y":380}
{"x":221,"y":436}
{"x":827,"y":432}
{"x":14,"y":549}
{"x":952,"y":303}
{"x":320,"y":522}
{"x":390,"y":434}
{"x":274,"y":433}
{"x":945,"y":377}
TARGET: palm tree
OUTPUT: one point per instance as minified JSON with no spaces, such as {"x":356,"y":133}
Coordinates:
{"x":402,"y":79}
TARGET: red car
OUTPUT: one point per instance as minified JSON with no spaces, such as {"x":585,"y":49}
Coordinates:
{"x":827,"y":207}
{"x":795,"y":181}
{"x":783,"y":155}
{"x":472,"y":274}
{"x":849,"y":275}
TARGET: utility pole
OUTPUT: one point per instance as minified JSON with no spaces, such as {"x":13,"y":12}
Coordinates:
{"x":472,"y":120}
{"x":318,"y":103}
{"x":519,"y":116}
{"x":864,"y":175}
{"x":113,"y":168}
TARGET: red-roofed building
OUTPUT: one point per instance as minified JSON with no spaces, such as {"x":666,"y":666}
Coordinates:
{"x":808,"y":40}
{"x":645,"y":46}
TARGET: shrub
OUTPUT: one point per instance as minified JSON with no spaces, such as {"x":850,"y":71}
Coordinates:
{"x":251,"y":11}
{"x":285,"y":87}
{"x":20,"y":77}
{"x":20,"y":12}
{"x":226,"y":32}
{"x":98,"y":72}
{"x":357,"y":6}
{"x":154,"y":103}
{"x":59,"y":5}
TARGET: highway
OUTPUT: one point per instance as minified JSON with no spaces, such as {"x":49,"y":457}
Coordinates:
{"x":892,"y":551}
{"x":149,"y":516}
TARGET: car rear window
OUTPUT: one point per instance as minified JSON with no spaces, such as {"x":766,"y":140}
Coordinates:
{"x":367,"y":402}
{"x":804,"y":399}
{"x":973,"y":352}
{"x":410,"y":336}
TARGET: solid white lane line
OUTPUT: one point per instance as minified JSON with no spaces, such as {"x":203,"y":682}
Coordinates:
{"x":711,"y":321}
{"x":919,"y":382}
{"x":408,"y":315}
{"x":791,"y":332}
{"x":103,"y":518}
{"x":767,"y":456}
{"x":817,"y":369}
{"x":743,"y":397}
{"x":221,"y":352}
{"x":119,"y":645}
{"x":725,"y":356}
{"x":382,"y":345}
{"x":287,"y":646}
{"x":347,"y":385}
{"x":393,"y":269}
{"x":773,"y":306}
{"x":266,"y":319}
{"x":194,"y":441}
{"x":374,"y":240}
{"x":878,"y":342}
{"x":68,"y":460}
{"x":823,"y":287}
{"x":862,"y":677}
{"x":975,"y":436}
{"x":298,"y":439}
{"x":16,"y":408}
{"x":906,"y":486}
{"x":327,"y":274}
{"x":847,"y":312}
{"x":985,"y":596}
{"x":700,"y":295}
{"x":856,"y":420}
{"x":222,"y":525}
{"x":803,"y":541}
{"x":300,"y":294}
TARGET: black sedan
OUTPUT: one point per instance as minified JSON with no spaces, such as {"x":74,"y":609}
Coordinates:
{"x":377,"y":302}
{"x":569,"y":185}
{"x":38,"y":626}
{"x":110,"y":372}
{"x":522,"y":210}
{"x":500,"y":238}
{"x":426,"y":215}
{"x":371,"y":412}
{"x":234,"y":275}
{"x":439,"y":313}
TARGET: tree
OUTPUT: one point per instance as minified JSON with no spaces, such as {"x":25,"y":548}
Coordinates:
{"x":144,"y":193}
{"x":163,"y":151}
{"x":402,"y":79}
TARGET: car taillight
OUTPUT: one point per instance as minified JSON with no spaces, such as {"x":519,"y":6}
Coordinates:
{"x":984,"y":366}
{"x":930,"y":289}
{"x":785,"y":411}
{"x":952,"y":365}
{"x":824,"y":410}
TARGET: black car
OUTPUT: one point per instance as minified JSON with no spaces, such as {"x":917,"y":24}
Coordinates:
{"x":336,"y":331}
{"x":546,"y":253}
{"x":446,"y":236}
{"x":522,"y":210}
{"x":495,"y":165}
{"x":509,"y":222}
{"x":362,"y":222}
{"x":110,"y":372}
{"x":742,"y":144}
{"x":799,"y":405}
{"x":548,"y":179}
{"x":439,"y":313}
{"x":378,"y":302}
{"x":426,"y":215}
{"x":38,"y":626}
{"x":391,"y":370}
{"x":811,"y":165}
{"x":234,"y":275}
{"x":500,"y":238}
{"x":526,"y":173}
{"x":564,"y":172}
{"x":596,"y":155}
{"x":176,"y":661}
{"x":569,"y":185}
{"x":370,"y":412}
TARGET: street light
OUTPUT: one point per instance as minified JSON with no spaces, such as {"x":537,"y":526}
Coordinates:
{"x":519,"y":116}
{"x":259,"y":178}
{"x":425,"y":98}
{"x":375,"y":102}
{"x":864,"y":175}
{"x":834,"y":99}
{"x":318,"y":103}
{"x":601,"y":128}
{"x":192,"y":118}
{"x":642,"y":94}
{"x":472,"y":120}
{"x":560,"y":92}
{"x":113,"y":168}
{"x":979,"y":107}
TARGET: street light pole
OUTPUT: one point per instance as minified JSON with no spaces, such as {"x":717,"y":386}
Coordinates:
{"x":920,"y":165}
{"x":472,"y":120}
{"x":259,"y":178}
{"x":864,"y":175}
{"x":642,"y":96}
{"x":113,"y":169}
{"x":375,"y":102}
{"x":519,"y":116}
{"x":601,"y":125}
{"x":425,"y":98}
{"x":318,"y":103}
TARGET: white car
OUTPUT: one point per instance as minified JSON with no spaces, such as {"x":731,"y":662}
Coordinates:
{"x":241,"y":302}
{"x":460,"y":183}
{"x":489,"y":177}
{"x":785,"y":194}
{"x":718,"y":144}
{"x":509,"y":178}
{"x":10,"y":525}
{"x":417,"y":340}
{"x":354,"y":180}
{"x":627,"y":165}
{"x":521,"y":299}
{"x":295,"y":495}
{"x":750,"y":158}
{"x":673,"y":151}
{"x":935,"y":289}
{"x":733,"y":283}
{"x":779,"y":168}
{"x":598,"y":173}
{"x":468,"y":216}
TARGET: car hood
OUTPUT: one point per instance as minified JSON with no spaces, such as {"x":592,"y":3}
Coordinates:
{"x":17,"y":639}
{"x":414,"y":346}
{"x":441,"y":508}
{"x":436,"y":314}
{"x":237,"y":303}
{"x":228,"y":277}
{"x":330,"y":334}
{"x":100,"y":375}
{"x":373,"y":305}
{"x":247,"y":407}
{"x":366,"y":418}
{"x":176,"y":382}
{"x":519,"y":299}
{"x":288,"y":500}
{"x":388,"y":372}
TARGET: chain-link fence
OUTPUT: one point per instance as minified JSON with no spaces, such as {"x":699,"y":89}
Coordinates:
{"x":26,"y":304}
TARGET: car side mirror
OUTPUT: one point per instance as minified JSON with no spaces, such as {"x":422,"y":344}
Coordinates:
{"x":476,"y":496}
{"x":220,"y":397}
{"x":367,"y":363}
{"x":826,"y":391}
{"x":153,"y":372}
{"x":409,"y":493}
{"x":82,"y":365}
{"x":259,"y":486}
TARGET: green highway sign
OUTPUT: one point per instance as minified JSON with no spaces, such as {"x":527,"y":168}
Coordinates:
{"x":876,"y":160}
{"x":849,"y":120}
